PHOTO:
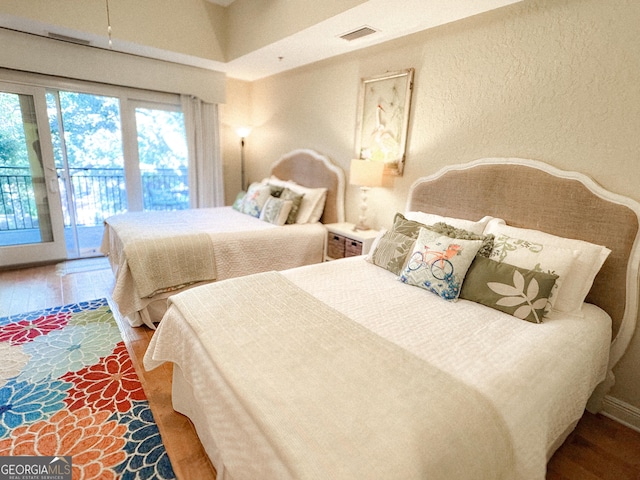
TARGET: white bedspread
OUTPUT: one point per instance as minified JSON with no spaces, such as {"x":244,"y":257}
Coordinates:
{"x":357,"y":406}
{"x":537,"y":376}
{"x":239,"y":245}
{"x":165,"y":249}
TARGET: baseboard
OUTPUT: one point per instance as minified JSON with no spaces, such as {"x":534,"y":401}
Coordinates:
{"x":621,"y":412}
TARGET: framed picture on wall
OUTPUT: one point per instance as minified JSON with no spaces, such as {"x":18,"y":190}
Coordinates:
{"x":383,"y":119}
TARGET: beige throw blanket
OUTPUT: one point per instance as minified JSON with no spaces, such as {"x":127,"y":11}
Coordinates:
{"x":334,"y":399}
{"x":162,"y":252}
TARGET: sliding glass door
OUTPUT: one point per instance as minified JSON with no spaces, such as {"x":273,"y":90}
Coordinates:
{"x":31,"y":226}
{"x":114,"y":155}
{"x":71,"y":155}
{"x":87,"y":141}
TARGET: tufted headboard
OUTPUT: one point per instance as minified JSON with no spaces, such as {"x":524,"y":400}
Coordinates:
{"x":532,"y":194}
{"x":311,"y":169}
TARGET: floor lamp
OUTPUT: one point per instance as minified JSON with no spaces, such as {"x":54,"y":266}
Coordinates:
{"x":365,"y":174}
{"x":243,"y":132}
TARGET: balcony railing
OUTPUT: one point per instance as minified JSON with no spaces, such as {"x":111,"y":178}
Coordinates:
{"x":97,"y":193}
{"x":17,"y":199}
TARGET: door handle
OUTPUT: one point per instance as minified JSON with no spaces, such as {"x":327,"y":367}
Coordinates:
{"x":53,"y":181}
{"x":53,"y":185}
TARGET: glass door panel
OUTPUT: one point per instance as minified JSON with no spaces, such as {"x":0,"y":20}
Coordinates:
{"x":163,"y":158}
{"x":30,"y":214}
{"x":87,"y":140}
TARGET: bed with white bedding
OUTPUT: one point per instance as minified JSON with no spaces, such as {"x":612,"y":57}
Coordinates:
{"x":340,"y":370}
{"x":155,"y":254}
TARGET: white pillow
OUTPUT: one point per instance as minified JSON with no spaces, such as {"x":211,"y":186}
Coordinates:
{"x":313,"y":201}
{"x":312,"y":204}
{"x":318,"y":210}
{"x":468,"y":225}
{"x":276,"y":211}
{"x":589,"y":258}
{"x":273,"y":180}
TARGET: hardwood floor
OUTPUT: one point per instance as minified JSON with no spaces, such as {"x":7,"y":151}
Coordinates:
{"x":599,"y":448}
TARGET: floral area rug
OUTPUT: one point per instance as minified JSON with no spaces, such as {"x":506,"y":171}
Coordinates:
{"x":68,"y":388}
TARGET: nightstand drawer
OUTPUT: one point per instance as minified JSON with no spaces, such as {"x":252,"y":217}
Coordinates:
{"x":335,"y":245}
{"x":343,"y":240}
{"x":352,"y":248}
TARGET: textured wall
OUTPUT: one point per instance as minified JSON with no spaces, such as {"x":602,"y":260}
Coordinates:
{"x":233,"y":115}
{"x":556,"y":81}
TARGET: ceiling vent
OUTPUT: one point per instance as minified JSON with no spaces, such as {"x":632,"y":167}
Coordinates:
{"x":358,"y":33}
{"x":66,"y":38}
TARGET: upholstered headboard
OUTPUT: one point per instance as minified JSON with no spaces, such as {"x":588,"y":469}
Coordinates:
{"x":311,"y":169}
{"x":531,"y":194}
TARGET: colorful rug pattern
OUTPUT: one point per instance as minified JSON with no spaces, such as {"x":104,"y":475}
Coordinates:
{"x":68,"y":387}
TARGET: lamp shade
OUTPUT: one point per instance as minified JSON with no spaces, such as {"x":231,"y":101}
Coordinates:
{"x":366,"y":173}
{"x":243,"y":132}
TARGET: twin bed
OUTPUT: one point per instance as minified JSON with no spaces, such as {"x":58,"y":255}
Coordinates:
{"x":156,"y":254}
{"x":340,"y":370}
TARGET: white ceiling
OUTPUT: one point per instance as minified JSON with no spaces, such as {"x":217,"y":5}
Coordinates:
{"x":391,"y":19}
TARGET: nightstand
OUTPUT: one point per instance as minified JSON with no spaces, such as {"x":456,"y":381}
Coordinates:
{"x":343,"y":241}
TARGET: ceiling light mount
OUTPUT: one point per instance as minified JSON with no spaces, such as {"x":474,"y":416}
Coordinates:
{"x":109,"y":25}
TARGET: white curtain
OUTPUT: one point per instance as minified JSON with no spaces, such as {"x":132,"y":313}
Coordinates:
{"x":203,"y":141}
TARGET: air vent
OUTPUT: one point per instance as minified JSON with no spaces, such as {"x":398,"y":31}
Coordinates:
{"x":358,"y":33}
{"x":65,"y":38}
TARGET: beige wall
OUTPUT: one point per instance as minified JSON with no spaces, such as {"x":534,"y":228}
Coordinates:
{"x":234,"y":114}
{"x":554,"y":80}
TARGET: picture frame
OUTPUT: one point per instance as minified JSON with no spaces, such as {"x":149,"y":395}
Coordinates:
{"x":383,"y":119}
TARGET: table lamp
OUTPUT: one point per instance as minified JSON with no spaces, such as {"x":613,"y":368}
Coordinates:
{"x":365,"y":174}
